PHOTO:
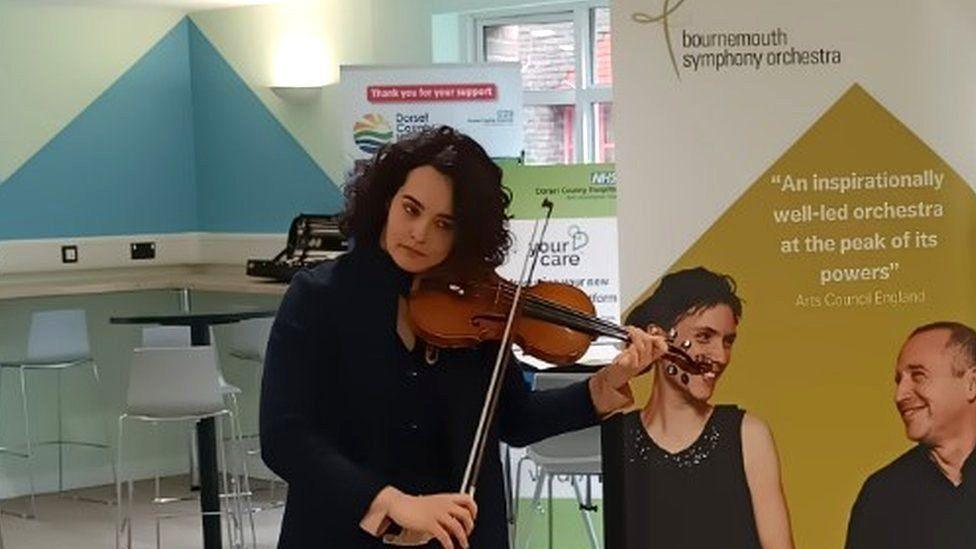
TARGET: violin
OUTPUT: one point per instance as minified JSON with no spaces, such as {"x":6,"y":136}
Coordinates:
{"x":554,"y":322}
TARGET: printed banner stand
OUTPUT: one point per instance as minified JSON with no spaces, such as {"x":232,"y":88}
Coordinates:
{"x":580,"y":246}
{"x":385,"y":103}
{"x":824,"y":161}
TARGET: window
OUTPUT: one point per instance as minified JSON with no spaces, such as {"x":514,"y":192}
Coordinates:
{"x":566,"y":78}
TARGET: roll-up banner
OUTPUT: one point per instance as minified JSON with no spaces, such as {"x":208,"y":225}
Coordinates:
{"x":579,"y":246}
{"x":822,"y":154}
{"x":385,"y":103}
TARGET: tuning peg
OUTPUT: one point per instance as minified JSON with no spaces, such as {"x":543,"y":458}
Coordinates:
{"x":686,"y":344}
{"x":672,"y":333}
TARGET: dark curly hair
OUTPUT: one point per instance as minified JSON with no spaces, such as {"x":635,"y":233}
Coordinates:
{"x":481,"y":239}
{"x":686,"y":292}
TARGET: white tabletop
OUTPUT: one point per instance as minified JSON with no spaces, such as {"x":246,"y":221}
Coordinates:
{"x":207,"y":278}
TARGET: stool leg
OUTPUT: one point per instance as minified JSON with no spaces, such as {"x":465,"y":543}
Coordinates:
{"x":60,"y":439}
{"x":507,"y":485}
{"x":515,"y":499}
{"x":231,"y":516}
{"x":30,"y":446}
{"x":106,"y":426}
{"x":587,"y":521}
{"x":535,"y":506}
{"x":192,"y":456}
{"x":550,"y":510}
{"x":238,"y":442}
{"x":157,"y":491}
{"x":273,"y":485}
{"x":123,"y":518}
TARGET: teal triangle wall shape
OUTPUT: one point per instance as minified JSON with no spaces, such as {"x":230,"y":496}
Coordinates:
{"x":124,"y":165}
{"x":252,"y":175}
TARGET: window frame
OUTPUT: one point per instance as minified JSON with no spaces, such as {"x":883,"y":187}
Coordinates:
{"x":586,"y":95}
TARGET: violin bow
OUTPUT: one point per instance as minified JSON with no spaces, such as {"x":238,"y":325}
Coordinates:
{"x":473,"y":468}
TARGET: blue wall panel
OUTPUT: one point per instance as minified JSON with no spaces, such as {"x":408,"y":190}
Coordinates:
{"x":124,"y":165}
{"x":252,"y":175}
{"x":178,"y":143}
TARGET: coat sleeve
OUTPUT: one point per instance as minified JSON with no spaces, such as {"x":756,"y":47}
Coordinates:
{"x":528,"y":416}
{"x":295,"y":442}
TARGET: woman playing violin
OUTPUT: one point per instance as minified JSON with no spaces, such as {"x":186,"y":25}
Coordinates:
{"x":369,"y":428}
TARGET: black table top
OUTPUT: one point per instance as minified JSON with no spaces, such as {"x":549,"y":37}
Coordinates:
{"x":187,"y":319}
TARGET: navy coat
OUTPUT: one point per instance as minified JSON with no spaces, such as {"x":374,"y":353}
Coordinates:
{"x":346,"y":409}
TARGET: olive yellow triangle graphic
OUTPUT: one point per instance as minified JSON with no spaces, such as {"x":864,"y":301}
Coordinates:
{"x":855,"y":236}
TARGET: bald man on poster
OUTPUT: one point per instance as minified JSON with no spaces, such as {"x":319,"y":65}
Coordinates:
{"x":927,"y":497}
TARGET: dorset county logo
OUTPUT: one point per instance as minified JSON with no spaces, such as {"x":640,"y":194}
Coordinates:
{"x":371,"y":132}
{"x":670,"y":6}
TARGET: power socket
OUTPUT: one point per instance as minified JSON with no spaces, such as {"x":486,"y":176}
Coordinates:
{"x":143,"y":250}
{"x":69,"y":254}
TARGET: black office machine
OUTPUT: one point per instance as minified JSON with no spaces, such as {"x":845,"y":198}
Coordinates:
{"x":312,"y":239}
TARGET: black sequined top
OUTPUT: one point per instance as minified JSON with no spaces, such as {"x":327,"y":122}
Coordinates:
{"x":695,"y":498}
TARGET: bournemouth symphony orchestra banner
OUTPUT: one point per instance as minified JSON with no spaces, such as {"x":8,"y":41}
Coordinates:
{"x":822,"y":154}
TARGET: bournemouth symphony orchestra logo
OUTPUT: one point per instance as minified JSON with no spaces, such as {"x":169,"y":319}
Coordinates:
{"x":662,"y":18}
{"x":718,"y":50}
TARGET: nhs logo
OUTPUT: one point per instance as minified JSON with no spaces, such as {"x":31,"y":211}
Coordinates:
{"x":603,"y":178}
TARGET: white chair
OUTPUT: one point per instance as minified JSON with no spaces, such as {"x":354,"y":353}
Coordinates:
{"x":57,"y":341}
{"x":249,"y":342}
{"x":249,"y":339}
{"x":175,"y":385}
{"x":171,"y":337}
{"x":181,"y":337}
{"x":571,"y":454}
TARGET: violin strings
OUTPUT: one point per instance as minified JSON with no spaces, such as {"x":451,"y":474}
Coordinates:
{"x":578,"y":318}
{"x":558,"y":311}
{"x":562,"y":312}
{"x":594,"y":321}
{"x":568,"y":319}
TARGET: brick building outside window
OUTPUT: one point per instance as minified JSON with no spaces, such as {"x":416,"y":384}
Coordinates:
{"x":566,"y":77}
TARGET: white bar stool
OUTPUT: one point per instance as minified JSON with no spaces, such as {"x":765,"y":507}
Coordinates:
{"x":570,"y":454}
{"x":180,"y":337}
{"x":249,"y":342}
{"x":57,"y":341}
{"x":176,"y":385}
